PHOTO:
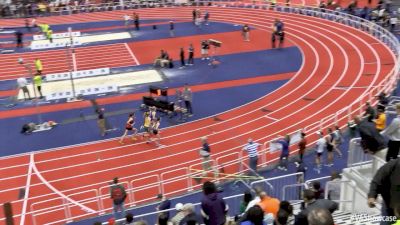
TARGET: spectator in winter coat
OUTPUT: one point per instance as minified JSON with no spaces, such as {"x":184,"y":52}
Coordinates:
{"x":386,"y":182}
{"x":213,"y":207}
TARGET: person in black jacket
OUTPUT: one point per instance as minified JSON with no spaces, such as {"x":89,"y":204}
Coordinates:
{"x":182,"y":56}
{"x":311,"y":204}
{"x":386,"y":182}
{"x":371,"y":140}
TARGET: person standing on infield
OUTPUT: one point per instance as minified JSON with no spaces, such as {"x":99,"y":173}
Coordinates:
{"x":182,"y":57}
{"x":101,"y":121}
{"x":188,"y":98}
{"x":22,"y":85}
{"x":37,"y":80}
{"x":171,"y":29}
{"x":191,"y":55}
{"x":246,"y":32}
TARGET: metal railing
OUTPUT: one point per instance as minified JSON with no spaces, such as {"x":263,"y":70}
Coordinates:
{"x":386,"y":85}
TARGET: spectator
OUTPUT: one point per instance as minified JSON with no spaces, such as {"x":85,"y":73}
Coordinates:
{"x":251,"y":149}
{"x":179,"y":215}
{"x":190,"y":215}
{"x":258,"y":190}
{"x":269,"y":204}
{"x":171,"y":29}
{"x":369,"y":111}
{"x":191,"y":54}
{"x":246,"y":33}
{"x":255,"y":216}
{"x":380,"y":121}
{"x":140,"y":222}
{"x":162,"y":220}
{"x":188,"y":98}
{"x":386,"y":182}
{"x":22,"y":85}
{"x":111,"y":221}
{"x":118,"y":195}
{"x":247,"y":197}
{"x":334,"y":186}
{"x":371,"y":140}
{"x":213,"y":207}
{"x":383,"y":101}
{"x":320,"y":217}
{"x":318,"y":191}
{"x":19,"y":36}
{"x":302,"y":146}
{"x":182,"y":57}
{"x":393,"y":133}
{"x":285,"y":211}
{"x":285,"y":142}
{"x":37,"y":80}
{"x":129,"y":219}
{"x":164,"y":204}
{"x":311,"y":204}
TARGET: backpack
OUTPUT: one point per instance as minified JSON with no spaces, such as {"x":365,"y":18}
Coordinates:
{"x":118,"y":194}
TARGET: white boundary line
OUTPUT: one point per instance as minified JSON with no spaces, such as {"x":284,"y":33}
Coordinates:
{"x":51,"y":187}
{"x":27,"y":188}
{"x":131,"y":53}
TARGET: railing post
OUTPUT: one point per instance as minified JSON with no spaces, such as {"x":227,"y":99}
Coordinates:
{"x":189,"y":180}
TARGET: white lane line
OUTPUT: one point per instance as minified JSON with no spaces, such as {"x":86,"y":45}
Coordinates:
{"x":51,"y":187}
{"x":27,"y":188}
{"x":132,"y":55}
{"x":270,"y":117}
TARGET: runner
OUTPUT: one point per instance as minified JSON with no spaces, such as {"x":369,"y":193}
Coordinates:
{"x":320,"y":146}
{"x":146,"y":127}
{"x":129,"y":126}
{"x":155,"y":130}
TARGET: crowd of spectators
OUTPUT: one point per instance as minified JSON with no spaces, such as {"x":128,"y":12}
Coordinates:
{"x":383,"y":14}
{"x":261,"y":209}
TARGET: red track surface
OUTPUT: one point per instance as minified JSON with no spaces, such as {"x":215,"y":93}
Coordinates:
{"x":335,"y":56}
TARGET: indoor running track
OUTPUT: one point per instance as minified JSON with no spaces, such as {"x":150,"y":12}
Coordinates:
{"x":339,"y":64}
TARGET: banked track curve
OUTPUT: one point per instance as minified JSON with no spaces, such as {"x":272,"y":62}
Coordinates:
{"x":342,"y":44}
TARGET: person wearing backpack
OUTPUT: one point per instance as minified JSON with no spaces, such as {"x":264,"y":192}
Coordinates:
{"x":118,"y":195}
